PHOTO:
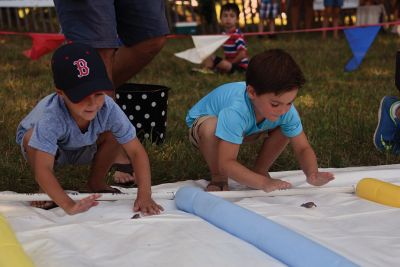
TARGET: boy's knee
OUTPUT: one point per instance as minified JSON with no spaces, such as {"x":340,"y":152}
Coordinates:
{"x":107,"y":138}
{"x":225,"y":66}
{"x":207,"y":128}
{"x":277,"y":132}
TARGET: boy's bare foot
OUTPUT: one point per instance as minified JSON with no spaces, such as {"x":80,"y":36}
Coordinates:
{"x":275,"y":184}
{"x":83,"y":204}
{"x":217,"y":186}
{"x":320,"y":178}
{"x":46,"y":205}
{"x":124,"y":178}
{"x":124,"y":174}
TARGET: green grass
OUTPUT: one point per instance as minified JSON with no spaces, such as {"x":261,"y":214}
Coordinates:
{"x":338,"y":109}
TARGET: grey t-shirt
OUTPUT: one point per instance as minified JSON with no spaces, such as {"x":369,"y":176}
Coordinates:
{"x":54,"y":127}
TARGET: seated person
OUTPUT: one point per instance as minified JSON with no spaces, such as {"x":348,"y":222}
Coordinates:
{"x":235,"y":49}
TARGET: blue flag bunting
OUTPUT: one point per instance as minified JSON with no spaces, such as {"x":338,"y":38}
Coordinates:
{"x":360,"y":39}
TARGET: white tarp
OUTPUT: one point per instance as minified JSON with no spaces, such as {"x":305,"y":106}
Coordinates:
{"x":365,"y":232}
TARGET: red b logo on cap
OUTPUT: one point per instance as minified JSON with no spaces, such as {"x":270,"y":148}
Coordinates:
{"x":81,"y":66}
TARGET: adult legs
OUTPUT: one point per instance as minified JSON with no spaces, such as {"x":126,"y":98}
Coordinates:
{"x":261,"y":25}
{"x":308,"y":13}
{"x":295,"y":13}
{"x":272,"y":15}
{"x":335,"y":21}
{"x":128,"y":61}
{"x":327,"y":15}
{"x":107,"y":54}
{"x":123,"y":63}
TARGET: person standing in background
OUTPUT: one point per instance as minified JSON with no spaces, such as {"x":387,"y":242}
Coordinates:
{"x":297,"y":7}
{"x":269,"y":10}
{"x":332,"y":11}
{"x":127,"y":33}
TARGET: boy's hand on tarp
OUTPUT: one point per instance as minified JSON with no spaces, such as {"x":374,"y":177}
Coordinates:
{"x":83,"y":204}
{"x":320,"y":178}
{"x":271,"y":184}
{"x":147,"y":206}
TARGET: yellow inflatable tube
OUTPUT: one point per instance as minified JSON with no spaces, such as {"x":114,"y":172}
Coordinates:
{"x":379,"y":191}
{"x":11,"y":252}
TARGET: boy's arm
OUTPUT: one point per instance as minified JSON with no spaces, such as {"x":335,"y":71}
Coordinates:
{"x":308,"y":161}
{"x":305,"y":154}
{"x":44,"y":175}
{"x":241,"y":55}
{"x":271,"y":148}
{"x":230,"y":167}
{"x":140,"y":161}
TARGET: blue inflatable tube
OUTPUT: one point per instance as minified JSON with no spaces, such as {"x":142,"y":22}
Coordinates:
{"x":274,"y":239}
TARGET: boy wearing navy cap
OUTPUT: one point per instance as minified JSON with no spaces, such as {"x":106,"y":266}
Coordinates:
{"x":79,"y":124}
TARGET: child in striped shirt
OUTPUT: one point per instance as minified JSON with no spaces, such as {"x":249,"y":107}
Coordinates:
{"x":235,"y":50}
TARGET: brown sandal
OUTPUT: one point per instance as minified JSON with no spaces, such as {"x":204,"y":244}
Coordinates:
{"x":123,"y":167}
{"x":221,"y":186}
{"x":46,"y":205}
{"x":111,"y":191}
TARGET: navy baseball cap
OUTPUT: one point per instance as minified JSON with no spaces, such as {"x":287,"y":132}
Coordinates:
{"x":79,"y":71}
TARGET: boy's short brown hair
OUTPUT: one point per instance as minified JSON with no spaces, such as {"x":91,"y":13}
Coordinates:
{"x":274,"y":71}
{"x":228,"y":7}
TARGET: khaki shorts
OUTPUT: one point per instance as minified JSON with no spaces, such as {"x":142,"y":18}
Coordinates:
{"x":194,"y":130}
{"x":194,"y":133}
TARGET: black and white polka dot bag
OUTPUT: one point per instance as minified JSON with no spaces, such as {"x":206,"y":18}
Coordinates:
{"x":145,"y":105}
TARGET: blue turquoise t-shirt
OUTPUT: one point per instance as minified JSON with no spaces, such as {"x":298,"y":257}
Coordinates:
{"x":54,"y":127}
{"x":236,"y":116}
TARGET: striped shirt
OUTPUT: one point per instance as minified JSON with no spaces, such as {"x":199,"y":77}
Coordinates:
{"x":234,"y":45}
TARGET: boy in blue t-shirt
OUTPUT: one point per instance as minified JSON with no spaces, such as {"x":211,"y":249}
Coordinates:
{"x":261,"y":108}
{"x":79,"y":124}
